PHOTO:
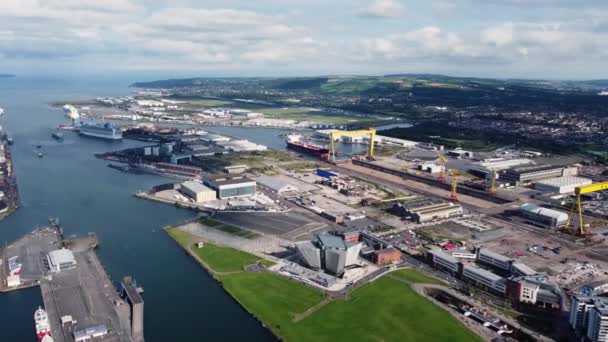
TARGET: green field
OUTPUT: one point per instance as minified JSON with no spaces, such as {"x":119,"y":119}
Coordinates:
{"x":210,"y":103}
{"x":303,"y":114}
{"x":384,"y":310}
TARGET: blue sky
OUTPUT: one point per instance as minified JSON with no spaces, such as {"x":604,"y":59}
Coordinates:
{"x":554,"y":39}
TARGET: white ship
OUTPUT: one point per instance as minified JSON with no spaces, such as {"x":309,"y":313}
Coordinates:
{"x":100,"y":130}
{"x":1,"y":111}
{"x":43,"y":328}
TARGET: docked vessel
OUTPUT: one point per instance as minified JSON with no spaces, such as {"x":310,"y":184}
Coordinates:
{"x":295,"y":142}
{"x":100,"y":130}
{"x":43,"y":328}
{"x":57,"y":135}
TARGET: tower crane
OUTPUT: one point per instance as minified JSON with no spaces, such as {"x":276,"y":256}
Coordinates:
{"x":335,"y":134}
{"x":578,"y":191}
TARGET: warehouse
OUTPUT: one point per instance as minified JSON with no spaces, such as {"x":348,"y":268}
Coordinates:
{"x":197,"y":191}
{"x":276,"y":184}
{"x":547,"y":218}
{"x":232,"y":187}
{"x":489,"y":258}
{"x":485,"y":279}
{"x":529,"y":174}
{"x":503,"y":164}
{"x":444,"y":261}
{"x":436,"y":212}
{"x":561,"y":185}
{"x":60,"y":260}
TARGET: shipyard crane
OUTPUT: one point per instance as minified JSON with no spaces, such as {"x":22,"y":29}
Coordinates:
{"x":578,"y":191}
{"x":454,"y":185}
{"x":336,"y":134}
{"x":442,"y":161}
{"x":492,"y":188}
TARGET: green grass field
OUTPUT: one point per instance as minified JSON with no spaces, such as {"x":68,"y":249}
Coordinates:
{"x":210,"y":103}
{"x":384,"y":310}
{"x":415,"y":277}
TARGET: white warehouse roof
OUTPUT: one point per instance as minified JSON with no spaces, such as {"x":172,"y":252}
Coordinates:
{"x":558,"y":215}
{"x":565,"y":181}
{"x":196,"y":187}
{"x":62,"y":256}
{"x":276,"y":183}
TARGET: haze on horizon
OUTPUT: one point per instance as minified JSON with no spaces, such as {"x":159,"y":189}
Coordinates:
{"x":554,"y":39}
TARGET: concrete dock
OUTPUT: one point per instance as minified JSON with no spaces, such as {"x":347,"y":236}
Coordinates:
{"x":79,"y":297}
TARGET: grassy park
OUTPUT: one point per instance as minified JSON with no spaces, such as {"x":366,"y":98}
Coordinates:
{"x":387,"y":309}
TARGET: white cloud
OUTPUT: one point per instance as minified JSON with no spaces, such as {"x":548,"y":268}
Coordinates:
{"x":384,"y":9}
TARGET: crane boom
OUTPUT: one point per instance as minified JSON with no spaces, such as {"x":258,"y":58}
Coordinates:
{"x":586,"y":189}
{"x":581,"y":190}
{"x":335,"y":134}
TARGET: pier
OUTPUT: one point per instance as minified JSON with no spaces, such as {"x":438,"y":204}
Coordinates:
{"x":79,"y":296}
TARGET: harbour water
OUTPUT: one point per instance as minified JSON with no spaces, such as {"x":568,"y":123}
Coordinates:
{"x":182,"y":303}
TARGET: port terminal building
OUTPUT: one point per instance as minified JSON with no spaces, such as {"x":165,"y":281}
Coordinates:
{"x":232,"y":187}
{"x":197,"y":191}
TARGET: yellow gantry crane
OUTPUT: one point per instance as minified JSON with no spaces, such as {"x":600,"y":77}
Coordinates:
{"x":454,"y":185}
{"x":336,"y":134}
{"x":442,"y":161}
{"x":578,"y":191}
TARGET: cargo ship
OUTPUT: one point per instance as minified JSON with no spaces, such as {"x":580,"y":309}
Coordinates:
{"x":295,"y":142}
{"x":43,"y":328}
{"x":100,"y":130}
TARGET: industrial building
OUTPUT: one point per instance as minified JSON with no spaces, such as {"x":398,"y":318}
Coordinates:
{"x":197,"y":191}
{"x":430,"y":167}
{"x":444,"y":261}
{"x":231,"y":187}
{"x":561,"y":185}
{"x":129,"y":292}
{"x":499,"y":164}
{"x":485,"y":279}
{"x":589,"y":316}
{"x":528,"y":174}
{"x":493,"y":259}
{"x":329,"y":252}
{"x":460,"y":153}
{"x":425,"y":211}
{"x":60,"y":260}
{"x":276,"y":184}
{"x":386,"y":256}
{"x":547,"y":218}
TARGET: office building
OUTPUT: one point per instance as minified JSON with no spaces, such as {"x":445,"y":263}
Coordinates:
{"x":197,"y":191}
{"x":444,"y":261}
{"x":535,"y":290}
{"x":547,"y":218}
{"x":495,"y":260}
{"x":579,"y":311}
{"x":231,"y":187}
{"x":485,"y":279}
{"x":597,"y":320}
{"x":60,"y":260}
{"x":521,"y":269}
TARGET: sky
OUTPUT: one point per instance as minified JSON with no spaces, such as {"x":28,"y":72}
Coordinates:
{"x":551,"y":39}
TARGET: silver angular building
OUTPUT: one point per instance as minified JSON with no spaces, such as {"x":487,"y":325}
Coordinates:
{"x":329,"y":252}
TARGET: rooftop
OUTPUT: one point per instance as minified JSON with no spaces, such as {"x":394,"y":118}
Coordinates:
{"x":219,"y":181}
{"x":565,"y":181}
{"x":484,"y":273}
{"x":493,"y":255}
{"x":532,"y":208}
{"x":196,"y":186}
{"x":62,"y":256}
{"x":439,"y":253}
{"x":331,"y":241}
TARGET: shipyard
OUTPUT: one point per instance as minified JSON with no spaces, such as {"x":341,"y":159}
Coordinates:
{"x":496,"y":225}
{"x":80,"y":301}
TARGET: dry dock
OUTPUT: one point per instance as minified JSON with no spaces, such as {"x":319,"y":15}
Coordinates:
{"x":81,"y":300}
